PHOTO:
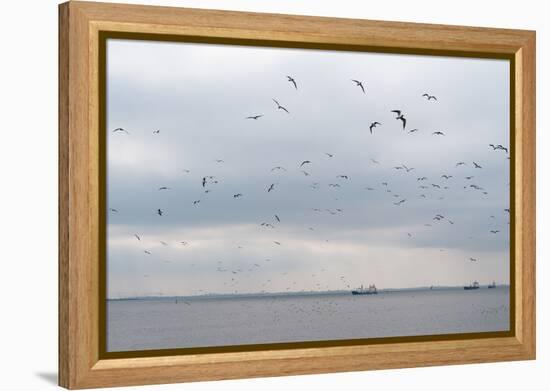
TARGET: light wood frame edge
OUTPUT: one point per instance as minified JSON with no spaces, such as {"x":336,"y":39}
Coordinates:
{"x":79,"y":364}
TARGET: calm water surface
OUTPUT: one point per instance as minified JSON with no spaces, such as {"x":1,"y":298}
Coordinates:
{"x":201,"y":322}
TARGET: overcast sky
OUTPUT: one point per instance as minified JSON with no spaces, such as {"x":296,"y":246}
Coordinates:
{"x":198,"y":97}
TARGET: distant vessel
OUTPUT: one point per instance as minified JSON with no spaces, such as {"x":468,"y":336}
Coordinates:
{"x":493,"y":285}
{"x":474,"y":285}
{"x":362,"y":291}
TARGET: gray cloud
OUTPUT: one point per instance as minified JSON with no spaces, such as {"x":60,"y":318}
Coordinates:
{"x":198,"y":97}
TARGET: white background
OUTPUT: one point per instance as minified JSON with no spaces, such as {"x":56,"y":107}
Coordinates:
{"x":28,"y":157}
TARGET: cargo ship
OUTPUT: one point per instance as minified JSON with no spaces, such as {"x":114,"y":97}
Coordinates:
{"x":371,"y":290}
{"x":473,"y":285}
{"x":493,"y":285}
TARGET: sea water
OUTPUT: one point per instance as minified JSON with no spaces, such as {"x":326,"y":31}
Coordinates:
{"x":143,"y":324}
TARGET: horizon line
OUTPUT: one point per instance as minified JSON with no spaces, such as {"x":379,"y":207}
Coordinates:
{"x":294,"y":293}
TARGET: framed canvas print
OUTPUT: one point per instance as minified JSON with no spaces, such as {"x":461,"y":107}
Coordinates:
{"x":248,"y":195}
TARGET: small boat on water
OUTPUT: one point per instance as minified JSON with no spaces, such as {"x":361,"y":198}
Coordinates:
{"x":371,"y":290}
{"x":473,"y":285}
{"x":493,"y":285}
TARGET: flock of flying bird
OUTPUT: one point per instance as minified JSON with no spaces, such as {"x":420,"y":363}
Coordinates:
{"x":207,"y":182}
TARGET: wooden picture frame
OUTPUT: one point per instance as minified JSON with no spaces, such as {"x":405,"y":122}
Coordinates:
{"x":81,"y":25}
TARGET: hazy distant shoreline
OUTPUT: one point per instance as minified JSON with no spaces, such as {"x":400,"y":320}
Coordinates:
{"x":293,"y":294}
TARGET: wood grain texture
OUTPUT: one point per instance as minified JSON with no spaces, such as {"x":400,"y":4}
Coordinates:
{"x":291,"y":28}
{"x":63,"y":201}
{"x":79,"y":27}
{"x":526,"y":212}
{"x":77,"y":262}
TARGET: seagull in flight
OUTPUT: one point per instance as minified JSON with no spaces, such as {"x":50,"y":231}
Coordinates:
{"x":342,"y":176}
{"x":271,"y":187}
{"x":469,"y":177}
{"x":374,"y":125}
{"x":429,"y":97}
{"x":473,"y":259}
{"x":413,"y":130}
{"x":159,"y":212}
{"x":329,"y":154}
{"x":400,"y":116}
{"x":278,"y":168}
{"x":446,"y":176}
{"x":137,"y":237}
{"x":113,"y":210}
{"x":156,"y":131}
{"x":255,"y":117}
{"x":237,"y":195}
{"x":121,"y":130}
{"x":494,"y":231}
{"x":404,"y":120}
{"x":502,"y":148}
{"x":203,"y":181}
{"x":438,"y":134}
{"x":164,"y":188}
{"x":375,"y":161}
{"x":196,"y":202}
{"x":277,"y":243}
{"x":423,"y":178}
{"x":477,"y":165}
{"x":280,"y":107}
{"x":146,"y":252}
{"x":277,"y":218}
{"x":291,"y":79}
{"x":359,"y":84}
{"x":399,"y":202}
{"x":305,"y":162}
{"x":460,"y":164}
